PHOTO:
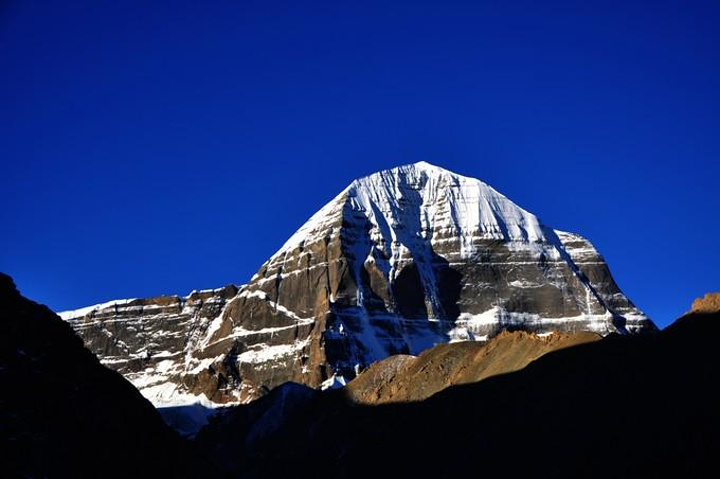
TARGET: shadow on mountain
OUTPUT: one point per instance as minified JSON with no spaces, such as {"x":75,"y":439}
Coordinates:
{"x":63,"y":414}
{"x":449,"y":287}
{"x":409,"y":293}
{"x":625,"y":406}
{"x":186,"y":420}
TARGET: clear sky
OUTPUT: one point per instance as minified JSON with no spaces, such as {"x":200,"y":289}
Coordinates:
{"x":158,"y":147}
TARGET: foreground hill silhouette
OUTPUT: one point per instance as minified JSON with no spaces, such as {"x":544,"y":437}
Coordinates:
{"x":63,"y":414}
{"x":625,"y":406}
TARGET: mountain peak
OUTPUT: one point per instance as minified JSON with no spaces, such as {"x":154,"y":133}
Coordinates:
{"x":424,"y":164}
{"x":421,"y":201}
{"x":397,"y":262}
{"x":429,"y":167}
{"x":417,"y":168}
{"x":424,"y":201}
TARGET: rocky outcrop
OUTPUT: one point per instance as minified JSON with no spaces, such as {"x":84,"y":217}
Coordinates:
{"x":401,"y":379}
{"x":398,"y":262}
{"x":62,"y":414}
{"x":710,"y":303}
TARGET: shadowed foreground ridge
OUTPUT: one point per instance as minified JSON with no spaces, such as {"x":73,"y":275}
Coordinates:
{"x":63,"y":414}
{"x":625,"y":406}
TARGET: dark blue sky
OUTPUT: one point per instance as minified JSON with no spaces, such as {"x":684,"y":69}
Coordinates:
{"x":152,"y":149}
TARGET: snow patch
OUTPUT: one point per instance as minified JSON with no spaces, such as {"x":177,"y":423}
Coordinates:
{"x":262,"y":353}
{"x":333,"y":382}
{"x":82,"y":312}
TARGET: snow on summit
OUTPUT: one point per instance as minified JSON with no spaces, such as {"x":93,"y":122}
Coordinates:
{"x":424,"y":199}
{"x":397,"y":262}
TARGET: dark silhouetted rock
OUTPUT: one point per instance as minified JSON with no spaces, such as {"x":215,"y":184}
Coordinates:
{"x":62,"y":414}
{"x":633,"y":406}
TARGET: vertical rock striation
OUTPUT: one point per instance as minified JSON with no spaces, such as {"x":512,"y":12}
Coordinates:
{"x":399,"y":261}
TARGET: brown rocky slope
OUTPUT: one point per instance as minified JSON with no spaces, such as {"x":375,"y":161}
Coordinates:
{"x":405,"y":378}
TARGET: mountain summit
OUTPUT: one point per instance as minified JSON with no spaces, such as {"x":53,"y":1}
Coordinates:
{"x":399,"y":261}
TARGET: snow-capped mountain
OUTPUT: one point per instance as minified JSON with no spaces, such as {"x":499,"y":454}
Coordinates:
{"x":399,"y":261}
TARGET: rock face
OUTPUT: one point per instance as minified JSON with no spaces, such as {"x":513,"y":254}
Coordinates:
{"x":62,"y":414}
{"x":403,"y":378}
{"x":399,"y":261}
{"x":151,"y":342}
